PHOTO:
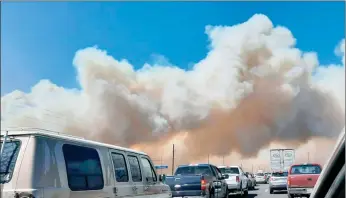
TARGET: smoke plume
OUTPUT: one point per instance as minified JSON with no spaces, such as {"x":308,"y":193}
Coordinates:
{"x":253,"y":89}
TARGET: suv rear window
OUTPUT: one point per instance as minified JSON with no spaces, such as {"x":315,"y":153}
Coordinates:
{"x":193,"y":170}
{"x":8,"y":160}
{"x":305,"y":169}
{"x":229,"y":170}
{"x":283,"y":174}
{"x":259,"y":174}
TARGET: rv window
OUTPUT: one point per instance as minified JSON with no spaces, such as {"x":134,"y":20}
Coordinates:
{"x":135,"y":169}
{"x":8,"y":160}
{"x":148,"y":170}
{"x":83,"y":168}
{"x":120,"y":169}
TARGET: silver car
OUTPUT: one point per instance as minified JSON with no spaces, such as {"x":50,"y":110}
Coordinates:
{"x":260,"y":178}
{"x":278,"y":181}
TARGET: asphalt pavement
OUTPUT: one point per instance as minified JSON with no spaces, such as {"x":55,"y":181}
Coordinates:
{"x":262,"y":191}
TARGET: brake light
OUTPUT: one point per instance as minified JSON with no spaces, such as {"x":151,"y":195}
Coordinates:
{"x":237,"y":178}
{"x":288,"y":181}
{"x":203,"y":184}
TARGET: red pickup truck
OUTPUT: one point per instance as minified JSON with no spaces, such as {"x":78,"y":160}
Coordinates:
{"x":302,"y":179}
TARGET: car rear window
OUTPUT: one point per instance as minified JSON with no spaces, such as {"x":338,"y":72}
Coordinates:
{"x":306,"y":169}
{"x":193,"y":170}
{"x":259,"y":174}
{"x":283,"y":174}
{"x":229,"y":170}
{"x":8,"y":160}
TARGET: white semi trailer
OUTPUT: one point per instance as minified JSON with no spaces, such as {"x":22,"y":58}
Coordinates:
{"x":281,"y":159}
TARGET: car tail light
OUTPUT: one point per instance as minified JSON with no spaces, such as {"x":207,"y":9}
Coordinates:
{"x":288,"y":181}
{"x":272,"y":179}
{"x":203,"y":184}
{"x":237,"y":178}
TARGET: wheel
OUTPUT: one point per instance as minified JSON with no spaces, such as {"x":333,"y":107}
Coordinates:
{"x":290,"y":195}
{"x":211,"y":193}
{"x":271,"y":191}
{"x":227,"y":192}
{"x":246,"y":192}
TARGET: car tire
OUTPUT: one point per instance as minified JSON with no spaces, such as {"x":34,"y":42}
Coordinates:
{"x":290,"y":195}
{"x":271,"y":191}
{"x":246,"y":192}
{"x":211,"y":193}
{"x":227,"y":192}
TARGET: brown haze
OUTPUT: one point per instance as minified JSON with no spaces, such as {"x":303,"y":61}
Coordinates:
{"x":253,"y":91}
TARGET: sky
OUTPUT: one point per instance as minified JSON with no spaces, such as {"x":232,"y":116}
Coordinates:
{"x":248,"y":75}
{"x":40,"y":39}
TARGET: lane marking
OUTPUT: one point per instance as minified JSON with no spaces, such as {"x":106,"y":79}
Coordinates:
{"x":266,"y":190}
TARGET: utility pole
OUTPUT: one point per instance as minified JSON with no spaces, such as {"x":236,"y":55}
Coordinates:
{"x":173,"y":161}
{"x":208,"y":158}
{"x":161,"y":163}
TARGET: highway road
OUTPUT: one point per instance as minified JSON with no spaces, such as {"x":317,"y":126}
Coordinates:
{"x":262,"y":191}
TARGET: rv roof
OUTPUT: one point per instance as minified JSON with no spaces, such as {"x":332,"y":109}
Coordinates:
{"x":37,"y":131}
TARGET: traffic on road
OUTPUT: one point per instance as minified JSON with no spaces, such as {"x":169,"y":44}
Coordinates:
{"x":110,"y":171}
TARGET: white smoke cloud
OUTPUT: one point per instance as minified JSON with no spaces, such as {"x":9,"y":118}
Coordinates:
{"x":253,"y":87}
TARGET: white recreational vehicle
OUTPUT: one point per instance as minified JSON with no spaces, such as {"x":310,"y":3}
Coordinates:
{"x":38,"y":163}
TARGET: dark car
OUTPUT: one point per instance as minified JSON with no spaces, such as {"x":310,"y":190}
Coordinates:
{"x":197,"y":180}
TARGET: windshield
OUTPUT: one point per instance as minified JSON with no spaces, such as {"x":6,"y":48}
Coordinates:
{"x":259,"y":174}
{"x":283,"y":174}
{"x":8,"y":160}
{"x":193,"y":170}
{"x":229,"y":170}
{"x":306,"y":169}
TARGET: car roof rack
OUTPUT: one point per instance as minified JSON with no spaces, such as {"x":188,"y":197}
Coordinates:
{"x":39,"y":131}
{"x":12,"y":131}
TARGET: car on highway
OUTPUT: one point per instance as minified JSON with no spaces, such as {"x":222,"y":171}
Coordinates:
{"x":197,"y":180}
{"x":267,"y":177}
{"x":251,"y":181}
{"x":236,"y":181}
{"x":302,"y":179}
{"x":260,"y":178}
{"x":41,"y":163}
{"x":278,"y":181}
